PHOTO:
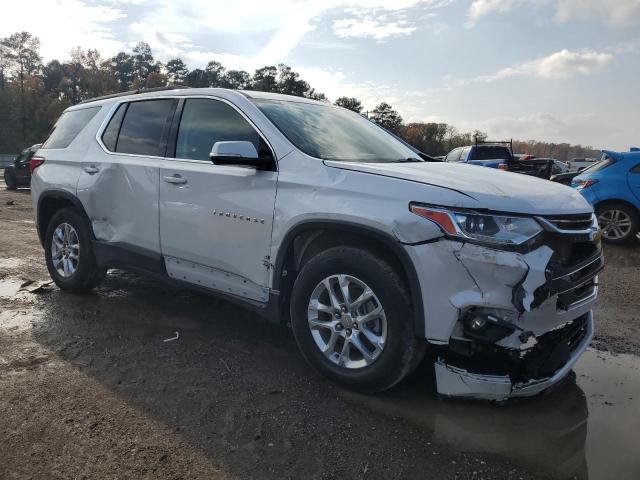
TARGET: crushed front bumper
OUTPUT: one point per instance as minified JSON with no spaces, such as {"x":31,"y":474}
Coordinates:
{"x":458,"y":382}
{"x":537,"y":305}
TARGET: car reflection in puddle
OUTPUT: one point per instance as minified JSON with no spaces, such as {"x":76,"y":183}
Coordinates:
{"x":586,"y":427}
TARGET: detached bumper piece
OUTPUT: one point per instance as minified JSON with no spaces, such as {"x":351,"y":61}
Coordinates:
{"x":497,"y":373}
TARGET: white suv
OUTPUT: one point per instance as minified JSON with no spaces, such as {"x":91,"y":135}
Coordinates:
{"x":310,"y":214}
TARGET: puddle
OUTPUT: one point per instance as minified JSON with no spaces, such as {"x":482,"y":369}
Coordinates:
{"x":585,"y":428}
{"x":23,"y":290}
{"x":9,"y":287}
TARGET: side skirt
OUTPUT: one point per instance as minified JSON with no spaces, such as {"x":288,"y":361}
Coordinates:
{"x":152,"y":264}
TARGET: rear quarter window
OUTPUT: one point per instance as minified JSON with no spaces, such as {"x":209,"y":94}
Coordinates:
{"x":110,"y":135}
{"x":68,"y":126}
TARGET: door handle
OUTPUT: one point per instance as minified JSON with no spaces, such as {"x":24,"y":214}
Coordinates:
{"x":91,"y":169}
{"x":175,"y":179}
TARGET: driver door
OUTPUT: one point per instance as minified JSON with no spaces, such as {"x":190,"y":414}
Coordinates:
{"x":215,"y":220}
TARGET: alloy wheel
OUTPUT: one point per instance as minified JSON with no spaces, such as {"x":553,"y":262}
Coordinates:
{"x":615,"y":224}
{"x":347,"y":321}
{"x":65,"y":250}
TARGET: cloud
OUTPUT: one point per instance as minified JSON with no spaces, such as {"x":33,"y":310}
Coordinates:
{"x":185,"y":27}
{"x":412,"y":104}
{"x":586,"y":129}
{"x":283,"y":23}
{"x":63,"y":25}
{"x":370,"y":28}
{"x":621,"y":13}
{"x":165,"y":44}
{"x":559,"y":65}
{"x":481,"y":8}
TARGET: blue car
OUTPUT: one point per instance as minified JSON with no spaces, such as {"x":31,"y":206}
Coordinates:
{"x":612,"y":186}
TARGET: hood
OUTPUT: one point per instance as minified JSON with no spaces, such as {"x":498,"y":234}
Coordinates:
{"x":486,"y":188}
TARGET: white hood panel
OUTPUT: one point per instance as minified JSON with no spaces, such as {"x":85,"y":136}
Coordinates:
{"x":490,"y":188}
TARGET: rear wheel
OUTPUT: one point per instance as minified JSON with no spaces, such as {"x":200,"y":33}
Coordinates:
{"x":352,"y":320}
{"x":69,"y":253}
{"x":10,"y":180}
{"x":619,"y":222}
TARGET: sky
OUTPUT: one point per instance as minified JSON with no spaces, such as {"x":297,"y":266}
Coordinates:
{"x":551,"y":70}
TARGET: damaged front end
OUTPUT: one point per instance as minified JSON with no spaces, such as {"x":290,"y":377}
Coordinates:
{"x":517,"y":317}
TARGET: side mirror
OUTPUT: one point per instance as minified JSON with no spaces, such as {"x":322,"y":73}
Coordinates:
{"x":239,"y":153}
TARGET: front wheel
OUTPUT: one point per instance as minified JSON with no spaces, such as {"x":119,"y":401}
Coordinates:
{"x":619,"y":222}
{"x":352,"y":320}
{"x":69,"y":253}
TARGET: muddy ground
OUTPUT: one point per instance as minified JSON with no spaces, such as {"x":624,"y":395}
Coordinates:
{"x":89,"y":388}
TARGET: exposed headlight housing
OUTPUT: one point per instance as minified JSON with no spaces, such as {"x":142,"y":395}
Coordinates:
{"x":500,"y":230}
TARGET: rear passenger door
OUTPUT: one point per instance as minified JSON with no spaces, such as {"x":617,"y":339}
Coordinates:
{"x":216,"y":220}
{"x":119,"y":183}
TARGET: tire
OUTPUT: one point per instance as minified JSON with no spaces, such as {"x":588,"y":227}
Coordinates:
{"x":82,"y":273}
{"x":401,"y":351}
{"x":10,"y":181}
{"x":619,"y":222}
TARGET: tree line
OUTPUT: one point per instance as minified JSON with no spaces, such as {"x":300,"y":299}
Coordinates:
{"x":33,"y":93}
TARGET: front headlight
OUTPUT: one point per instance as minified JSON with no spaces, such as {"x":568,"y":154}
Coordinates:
{"x":481,"y":227}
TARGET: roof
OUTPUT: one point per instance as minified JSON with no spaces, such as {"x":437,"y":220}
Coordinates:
{"x":179,"y":90}
{"x":277,"y":96}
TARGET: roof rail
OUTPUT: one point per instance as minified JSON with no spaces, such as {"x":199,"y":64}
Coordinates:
{"x":133,"y":92}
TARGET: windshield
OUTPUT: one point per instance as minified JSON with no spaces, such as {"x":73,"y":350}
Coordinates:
{"x":333,"y":133}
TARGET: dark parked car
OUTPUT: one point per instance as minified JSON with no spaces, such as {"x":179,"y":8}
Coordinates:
{"x":18,"y":174}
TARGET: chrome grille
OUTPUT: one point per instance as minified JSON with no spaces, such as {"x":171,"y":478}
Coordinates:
{"x":571,"y":222}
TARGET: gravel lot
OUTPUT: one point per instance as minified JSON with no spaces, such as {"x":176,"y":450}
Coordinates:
{"x":90,"y":389}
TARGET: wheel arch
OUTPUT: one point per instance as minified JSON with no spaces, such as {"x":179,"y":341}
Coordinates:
{"x":50,"y":202}
{"x":613,"y":201}
{"x":308,"y":238}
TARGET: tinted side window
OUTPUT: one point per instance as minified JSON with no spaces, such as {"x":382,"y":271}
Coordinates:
{"x":636,"y":169}
{"x":145,"y":127}
{"x":205,"y":122}
{"x":110,"y":135}
{"x":68,"y":126}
